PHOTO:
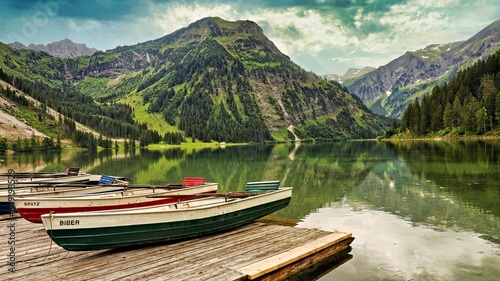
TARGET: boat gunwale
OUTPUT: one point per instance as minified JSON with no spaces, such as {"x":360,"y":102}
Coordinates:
{"x":90,"y":187}
{"x":161,"y":208}
{"x":86,"y":197}
{"x":99,"y":238}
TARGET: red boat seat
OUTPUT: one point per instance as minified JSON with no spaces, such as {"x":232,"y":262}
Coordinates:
{"x":193,"y":181}
{"x":72,"y":171}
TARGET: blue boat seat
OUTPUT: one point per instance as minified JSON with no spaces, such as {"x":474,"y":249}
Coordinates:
{"x":106,"y":180}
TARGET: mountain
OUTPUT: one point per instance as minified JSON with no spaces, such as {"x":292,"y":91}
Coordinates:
{"x":467,"y":105}
{"x":351,"y":74}
{"x":61,"y":49}
{"x":390,"y":88}
{"x":212,"y":80}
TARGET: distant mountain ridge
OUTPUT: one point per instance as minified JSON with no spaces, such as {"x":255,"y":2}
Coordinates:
{"x":352,"y":73}
{"x":61,"y":49}
{"x":390,"y":88}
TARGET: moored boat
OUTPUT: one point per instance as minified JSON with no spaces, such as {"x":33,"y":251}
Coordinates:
{"x":44,"y":181}
{"x":31,"y":208}
{"x":23,"y":179}
{"x":164,"y":223}
{"x":71,"y":171}
{"x":95,"y":184}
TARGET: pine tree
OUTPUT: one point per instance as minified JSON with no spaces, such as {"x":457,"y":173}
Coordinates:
{"x":488,"y":92}
{"x":448,"y":117}
{"x":468,"y":115}
{"x":497,"y":108}
{"x":425,"y":115}
{"x":3,"y":145}
{"x":481,"y":120}
{"x":456,"y":109}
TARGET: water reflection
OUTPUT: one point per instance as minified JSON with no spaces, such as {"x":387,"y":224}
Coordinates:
{"x":389,"y":248}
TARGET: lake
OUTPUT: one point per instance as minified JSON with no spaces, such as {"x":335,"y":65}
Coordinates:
{"x":418,"y":210}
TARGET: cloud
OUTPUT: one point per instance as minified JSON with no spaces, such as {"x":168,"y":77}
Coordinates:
{"x":100,"y":10}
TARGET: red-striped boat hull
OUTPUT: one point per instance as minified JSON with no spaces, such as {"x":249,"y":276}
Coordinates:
{"x":31,"y":209}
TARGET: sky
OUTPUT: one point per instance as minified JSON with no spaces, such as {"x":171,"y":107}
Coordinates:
{"x":321,"y":36}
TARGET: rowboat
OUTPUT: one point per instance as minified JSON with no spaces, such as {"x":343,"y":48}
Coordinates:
{"x":24,"y":179}
{"x":27,"y":182}
{"x":31,"y":208}
{"x":85,"y":231}
{"x":71,"y":171}
{"x":91,"y":186}
{"x":7,"y":200}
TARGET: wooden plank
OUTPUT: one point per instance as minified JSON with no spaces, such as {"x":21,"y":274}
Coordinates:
{"x":278,"y":261}
{"x":190,"y":258}
{"x":171,"y":257}
{"x":213,"y":257}
{"x":234,"y":254}
{"x":149,"y":254}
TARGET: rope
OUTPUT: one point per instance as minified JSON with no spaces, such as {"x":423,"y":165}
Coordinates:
{"x":32,"y":264}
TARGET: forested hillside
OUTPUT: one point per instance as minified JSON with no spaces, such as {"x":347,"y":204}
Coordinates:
{"x":223,"y":81}
{"x":211,"y":81}
{"x":35,"y":74}
{"x":468,"y":104}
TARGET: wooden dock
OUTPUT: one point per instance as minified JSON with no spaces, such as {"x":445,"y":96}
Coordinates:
{"x":258,"y":251}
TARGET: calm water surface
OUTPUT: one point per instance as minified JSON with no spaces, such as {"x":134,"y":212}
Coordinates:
{"x":417,"y":210}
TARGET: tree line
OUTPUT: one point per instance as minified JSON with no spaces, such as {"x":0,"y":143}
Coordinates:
{"x":30,"y":145}
{"x":114,"y":120}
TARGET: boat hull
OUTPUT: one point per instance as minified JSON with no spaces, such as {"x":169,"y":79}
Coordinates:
{"x":7,"y":207}
{"x":27,"y":182}
{"x":4,"y":199}
{"x":76,"y":232}
{"x":32,"y":208}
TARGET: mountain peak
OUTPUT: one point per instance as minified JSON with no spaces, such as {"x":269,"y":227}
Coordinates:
{"x":225,"y":32}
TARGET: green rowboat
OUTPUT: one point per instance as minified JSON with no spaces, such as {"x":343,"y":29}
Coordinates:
{"x":165,"y":223}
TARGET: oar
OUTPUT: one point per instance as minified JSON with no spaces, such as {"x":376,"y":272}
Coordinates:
{"x":75,"y":185}
{"x":227,"y":195}
{"x":173,"y":186}
{"x":43,"y":182}
{"x":35,"y":175}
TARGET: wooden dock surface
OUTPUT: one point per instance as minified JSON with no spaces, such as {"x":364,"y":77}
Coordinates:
{"x":258,"y":251}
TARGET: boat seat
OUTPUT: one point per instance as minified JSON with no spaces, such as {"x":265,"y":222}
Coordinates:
{"x":106,"y":180}
{"x":72,"y":171}
{"x":262,"y":186}
{"x":189,"y":181}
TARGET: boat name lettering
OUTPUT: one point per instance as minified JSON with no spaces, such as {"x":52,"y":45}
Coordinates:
{"x":69,"y":222}
{"x":31,"y":203}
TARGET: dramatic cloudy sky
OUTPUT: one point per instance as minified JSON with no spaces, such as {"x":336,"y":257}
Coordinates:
{"x":323,"y":36}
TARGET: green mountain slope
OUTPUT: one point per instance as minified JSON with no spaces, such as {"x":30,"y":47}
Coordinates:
{"x":222,"y":81}
{"x":41,"y":76}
